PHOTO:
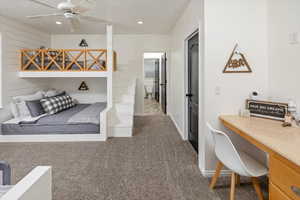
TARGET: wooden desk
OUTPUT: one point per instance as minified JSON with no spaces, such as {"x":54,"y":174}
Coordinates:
{"x":283,"y":146}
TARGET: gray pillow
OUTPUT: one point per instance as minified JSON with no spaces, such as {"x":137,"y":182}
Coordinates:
{"x":35,"y":108}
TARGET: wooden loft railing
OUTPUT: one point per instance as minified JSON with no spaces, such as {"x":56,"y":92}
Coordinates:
{"x":65,"y":60}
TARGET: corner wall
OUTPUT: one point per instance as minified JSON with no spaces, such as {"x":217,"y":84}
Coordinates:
{"x":222,"y":25}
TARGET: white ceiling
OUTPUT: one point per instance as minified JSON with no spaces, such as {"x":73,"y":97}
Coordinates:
{"x":159,"y":16}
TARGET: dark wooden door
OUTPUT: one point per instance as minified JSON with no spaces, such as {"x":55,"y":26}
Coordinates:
{"x":193,"y":90}
{"x":156,"y":80}
{"x":163,"y":85}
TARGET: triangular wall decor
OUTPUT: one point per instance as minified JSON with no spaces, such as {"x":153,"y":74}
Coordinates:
{"x":237,"y":63}
{"x":83,"y":86}
{"x":83,"y":43}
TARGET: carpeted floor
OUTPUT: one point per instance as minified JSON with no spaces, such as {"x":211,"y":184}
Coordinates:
{"x":155,"y":164}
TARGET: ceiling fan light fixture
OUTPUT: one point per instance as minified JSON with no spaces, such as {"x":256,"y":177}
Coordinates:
{"x":58,"y":23}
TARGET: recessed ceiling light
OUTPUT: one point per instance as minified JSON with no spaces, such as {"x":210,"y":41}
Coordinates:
{"x":140,"y":22}
{"x":58,"y":23}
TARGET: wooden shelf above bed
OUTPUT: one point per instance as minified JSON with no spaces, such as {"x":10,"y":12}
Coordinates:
{"x":65,"y":60}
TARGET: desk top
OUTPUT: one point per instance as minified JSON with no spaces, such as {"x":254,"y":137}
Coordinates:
{"x":268,"y":135}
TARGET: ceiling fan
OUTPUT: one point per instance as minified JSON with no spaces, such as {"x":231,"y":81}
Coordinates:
{"x":73,"y":13}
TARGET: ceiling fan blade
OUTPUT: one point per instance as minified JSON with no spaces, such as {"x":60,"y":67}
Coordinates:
{"x":94,"y":19}
{"x":84,"y":6}
{"x":43,"y":3}
{"x":46,"y":15}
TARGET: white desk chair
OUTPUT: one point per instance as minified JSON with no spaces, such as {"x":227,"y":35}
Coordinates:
{"x":239,"y":163}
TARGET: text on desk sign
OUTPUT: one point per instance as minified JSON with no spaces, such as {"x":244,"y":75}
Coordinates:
{"x":265,"y":109}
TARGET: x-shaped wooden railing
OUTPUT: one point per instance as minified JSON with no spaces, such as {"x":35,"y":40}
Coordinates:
{"x":64,"y":60}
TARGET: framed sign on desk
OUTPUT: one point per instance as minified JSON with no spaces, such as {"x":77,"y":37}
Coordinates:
{"x":267,"y":109}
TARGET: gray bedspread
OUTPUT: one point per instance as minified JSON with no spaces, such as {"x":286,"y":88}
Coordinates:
{"x":82,"y":118}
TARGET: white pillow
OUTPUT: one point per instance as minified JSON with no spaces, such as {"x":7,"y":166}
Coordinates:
{"x":31,"y":97}
{"x":20,"y":110}
{"x":52,"y":92}
{"x":14,"y":110}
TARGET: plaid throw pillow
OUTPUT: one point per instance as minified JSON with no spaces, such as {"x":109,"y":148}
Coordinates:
{"x":56,"y":104}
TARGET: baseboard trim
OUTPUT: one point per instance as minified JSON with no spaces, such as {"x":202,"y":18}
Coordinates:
{"x":176,"y":125}
{"x":53,"y":138}
{"x":139,"y":114}
{"x":210,"y":173}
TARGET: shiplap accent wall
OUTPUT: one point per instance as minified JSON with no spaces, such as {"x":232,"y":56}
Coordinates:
{"x":15,"y":36}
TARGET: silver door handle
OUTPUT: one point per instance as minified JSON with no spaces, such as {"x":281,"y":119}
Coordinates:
{"x":296,"y":190}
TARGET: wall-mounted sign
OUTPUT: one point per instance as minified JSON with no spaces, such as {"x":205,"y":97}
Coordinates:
{"x":266,"y":109}
{"x":83,"y":43}
{"x":237,"y":63}
{"x":83,"y":86}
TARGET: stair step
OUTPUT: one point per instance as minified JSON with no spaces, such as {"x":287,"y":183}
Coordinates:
{"x":124,"y":108}
{"x":124,"y":99}
{"x":121,"y":120}
{"x":120,"y":131}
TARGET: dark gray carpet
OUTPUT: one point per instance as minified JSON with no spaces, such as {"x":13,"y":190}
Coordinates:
{"x":155,"y":164}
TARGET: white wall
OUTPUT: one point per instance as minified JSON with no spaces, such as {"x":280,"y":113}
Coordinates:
{"x":129,"y":48}
{"x":224,"y":24}
{"x":284,"y":70}
{"x":245,"y":23}
{"x":188,"y":23}
{"x":16,"y":36}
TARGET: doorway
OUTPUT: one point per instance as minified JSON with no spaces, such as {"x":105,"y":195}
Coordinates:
{"x":155,"y":83}
{"x":193,"y":89}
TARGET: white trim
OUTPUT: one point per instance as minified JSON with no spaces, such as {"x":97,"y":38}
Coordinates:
{"x":38,"y":74}
{"x":35,"y":185}
{"x":210,"y":173}
{"x":177,"y":127}
{"x":53,"y":138}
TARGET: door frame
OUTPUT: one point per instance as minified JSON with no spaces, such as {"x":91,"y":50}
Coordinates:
{"x":201,"y":126}
{"x":166,"y":52}
{"x":186,"y":84}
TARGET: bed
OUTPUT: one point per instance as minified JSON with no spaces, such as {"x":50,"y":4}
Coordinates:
{"x":80,"y":119}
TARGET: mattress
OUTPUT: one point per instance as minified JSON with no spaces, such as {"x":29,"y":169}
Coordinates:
{"x":60,"y":123}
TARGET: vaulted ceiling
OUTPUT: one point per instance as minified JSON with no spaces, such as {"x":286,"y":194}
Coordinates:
{"x":159,"y":16}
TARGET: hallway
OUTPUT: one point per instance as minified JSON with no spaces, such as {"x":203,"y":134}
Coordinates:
{"x":155,"y":164}
{"x":152,"y":107}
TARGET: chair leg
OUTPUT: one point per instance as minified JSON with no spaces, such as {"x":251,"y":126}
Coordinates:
{"x":216,"y":175}
{"x":232,"y":187}
{"x":257,"y":188}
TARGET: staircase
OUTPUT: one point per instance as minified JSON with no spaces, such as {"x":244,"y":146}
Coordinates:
{"x":120,"y":121}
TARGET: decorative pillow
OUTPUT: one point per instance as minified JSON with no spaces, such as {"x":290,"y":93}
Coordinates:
{"x":19,"y":107}
{"x":35,"y":108}
{"x":22,"y":109}
{"x":53,"y":92}
{"x":14,"y":110}
{"x":35,"y":96}
{"x":56,"y":104}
